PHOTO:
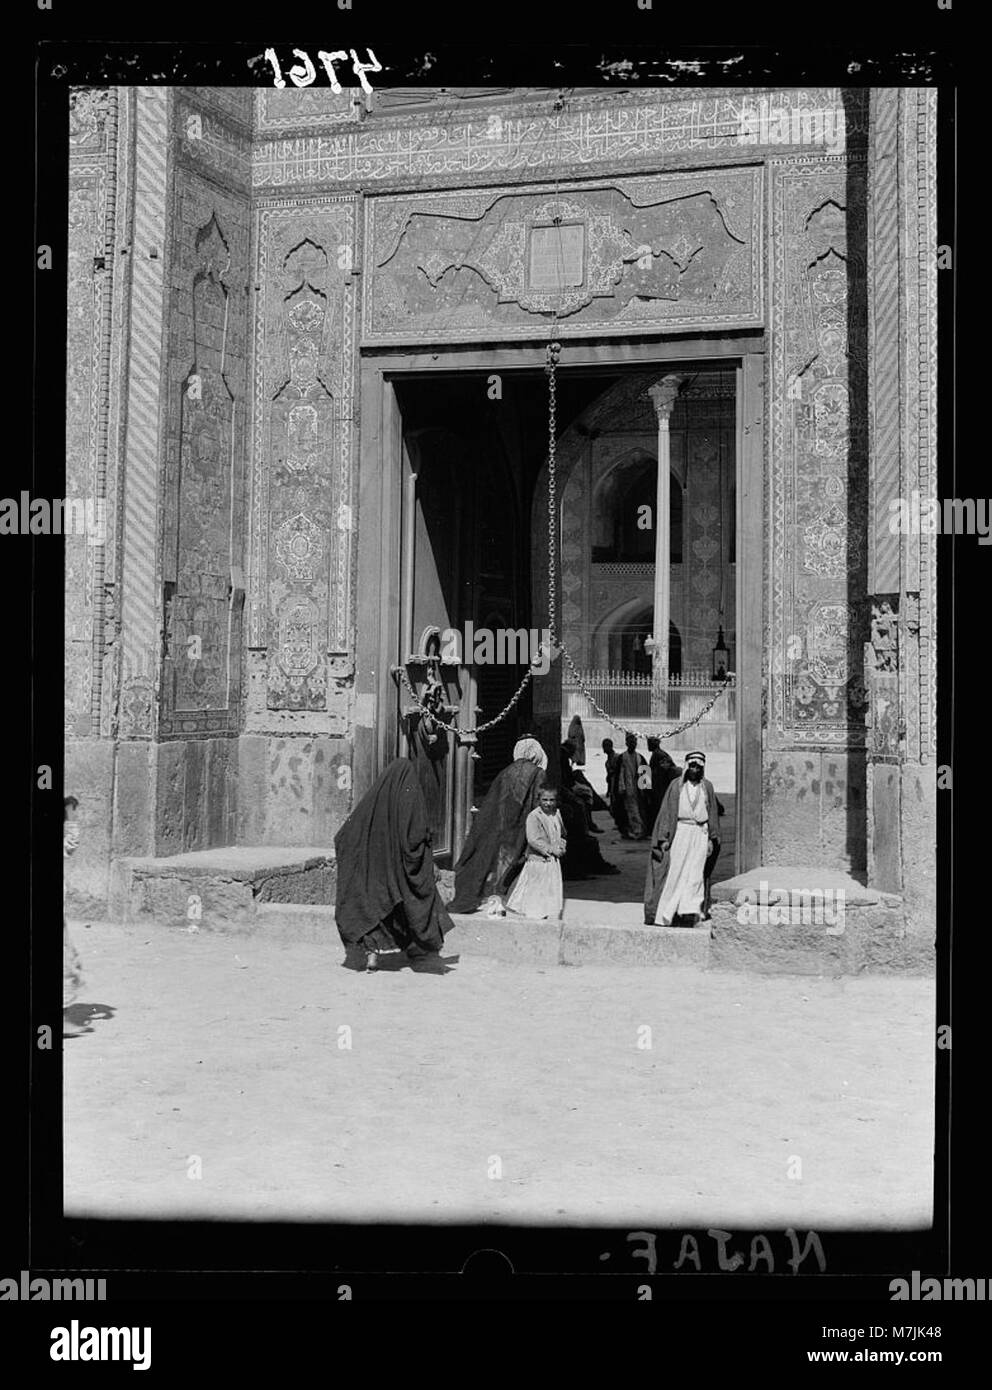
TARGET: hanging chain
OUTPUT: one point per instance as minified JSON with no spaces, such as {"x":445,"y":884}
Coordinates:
{"x":555,"y":644}
{"x":641,"y":733}
{"x":554,"y":351}
{"x":435,"y":718}
{"x":551,"y":369}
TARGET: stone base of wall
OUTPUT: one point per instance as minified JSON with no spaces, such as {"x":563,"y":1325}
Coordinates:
{"x":918,"y":827}
{"x":145,"y":800}
{"x":219,"y":889}
{"x":873,"y":941}
{"x":292,"y":791}
{"x":771,"y":921}
{"x":814,"y":809}
{"x":196,"y":795}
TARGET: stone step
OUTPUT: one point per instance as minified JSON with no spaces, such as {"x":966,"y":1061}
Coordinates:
{"x":221,"y":888}
{"x":288,"y":894}
{"x":790,"y":884}
{"x":501,"y":938}
{"x":804,"y":920}
{"x":598,"y":943}
{"x":517,"y":938}
{"x":308,"y":922}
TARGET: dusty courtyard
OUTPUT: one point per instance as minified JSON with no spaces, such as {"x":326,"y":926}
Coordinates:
{"x":214,"y":1077}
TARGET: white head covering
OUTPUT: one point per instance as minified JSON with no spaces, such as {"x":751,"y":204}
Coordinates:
{"x":531,"y":751}
{"x":697,"y":758}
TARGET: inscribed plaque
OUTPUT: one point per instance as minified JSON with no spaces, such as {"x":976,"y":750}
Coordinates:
{"x":556,"y":255}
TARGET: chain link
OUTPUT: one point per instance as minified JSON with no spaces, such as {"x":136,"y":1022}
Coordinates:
{"x":553,"y":353}
{"x":641,"y":733}
{"x":479,"y":728}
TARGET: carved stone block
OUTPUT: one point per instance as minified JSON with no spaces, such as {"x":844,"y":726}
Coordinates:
{"x":203,"y":476}
{"x":299,"y":572}
{"x":817,"y":537}
{"x":637,"y":254}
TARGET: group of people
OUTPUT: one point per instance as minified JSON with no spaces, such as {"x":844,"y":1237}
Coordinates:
{"x":524,"y":823}
{"x":636,"y":797}
{"x":526,"y":838}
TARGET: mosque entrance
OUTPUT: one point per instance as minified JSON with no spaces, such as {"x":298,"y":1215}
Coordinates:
{"x":453,"y":580}
{"x":471,"y":453}
{"x":464,"y":584}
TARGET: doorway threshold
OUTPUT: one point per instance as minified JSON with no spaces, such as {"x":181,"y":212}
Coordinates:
{"x":606,"y":939}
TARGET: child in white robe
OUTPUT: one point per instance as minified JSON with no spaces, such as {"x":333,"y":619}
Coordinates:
{"x":537,"y":892}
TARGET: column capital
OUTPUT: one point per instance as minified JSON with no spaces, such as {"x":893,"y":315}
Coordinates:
{"x":664,"y":394}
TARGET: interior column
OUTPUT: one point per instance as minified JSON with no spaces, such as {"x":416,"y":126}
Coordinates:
{"x":663,"y":395}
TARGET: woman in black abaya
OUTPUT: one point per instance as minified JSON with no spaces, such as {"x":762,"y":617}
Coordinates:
{"x":497,"y":843}
{"x":387,"y":898}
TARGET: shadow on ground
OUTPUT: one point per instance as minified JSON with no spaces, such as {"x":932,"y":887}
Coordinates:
{"x":77,"y":1018}
{"x":391,"y":963}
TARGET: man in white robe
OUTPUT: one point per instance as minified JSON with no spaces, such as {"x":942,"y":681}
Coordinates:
{"x":685,"y":844}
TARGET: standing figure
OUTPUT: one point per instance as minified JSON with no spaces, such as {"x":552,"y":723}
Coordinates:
{"x":493,"y":854}
{"x":72,"y":973}
{"x":631,"y":794}
{"x":577,"y":736}
{"x":584,"y":858}
{"x":538,"y":891}
{"x":612,"y":763}
{"x":579,"y":786}
{"x":684,"y":848}
{"x":663,"y":771}
{"x":387,"y":896}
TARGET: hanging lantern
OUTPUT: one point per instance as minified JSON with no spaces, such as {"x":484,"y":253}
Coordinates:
{"x":721,"y":657}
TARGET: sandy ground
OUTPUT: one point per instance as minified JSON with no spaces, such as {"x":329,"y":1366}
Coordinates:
{"x":494,"y":1091}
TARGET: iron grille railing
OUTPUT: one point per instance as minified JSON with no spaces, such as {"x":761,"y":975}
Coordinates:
{"x":627,"y":695}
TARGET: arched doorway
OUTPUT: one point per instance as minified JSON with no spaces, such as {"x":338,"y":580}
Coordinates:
{"x":623,"y":513}
{"x":618,"y":642}
{"x":628,"y":641}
